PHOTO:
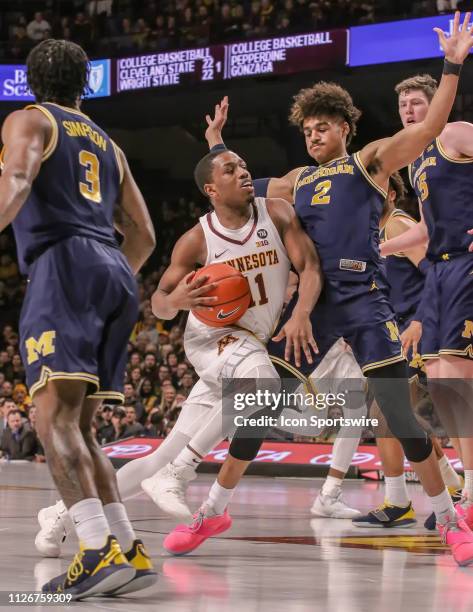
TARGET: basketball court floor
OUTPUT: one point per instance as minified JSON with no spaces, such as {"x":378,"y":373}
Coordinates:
{"x":275,"y":558}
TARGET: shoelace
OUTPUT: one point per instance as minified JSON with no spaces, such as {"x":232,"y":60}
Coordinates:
{"x":76,"y":568}
{"x":446,"y":528}
{"x":198,"y":520}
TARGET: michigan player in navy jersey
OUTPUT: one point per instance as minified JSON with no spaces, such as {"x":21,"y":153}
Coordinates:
{"x":340,"y":203}
{"x":405,"y":272}
{"x":63,"y":180}
{"x":442,"y":177}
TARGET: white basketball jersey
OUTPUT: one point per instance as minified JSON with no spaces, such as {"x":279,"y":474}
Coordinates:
{"x":256,"y":250}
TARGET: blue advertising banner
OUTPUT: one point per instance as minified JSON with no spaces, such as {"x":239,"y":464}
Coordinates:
{"x":14,"y":88}
{"x":397,"y":41}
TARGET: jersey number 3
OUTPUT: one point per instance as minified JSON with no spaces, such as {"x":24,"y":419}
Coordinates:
{"x":91,"y":188}
{"x":320,"y":196}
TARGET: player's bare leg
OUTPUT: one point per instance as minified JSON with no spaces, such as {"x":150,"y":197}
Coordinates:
{"x":59,"y":406}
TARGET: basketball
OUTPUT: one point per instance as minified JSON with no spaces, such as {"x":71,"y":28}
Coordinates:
{"x":233,"y":292}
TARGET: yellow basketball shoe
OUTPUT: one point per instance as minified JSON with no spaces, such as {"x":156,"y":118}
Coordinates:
{"x":93,"y":571}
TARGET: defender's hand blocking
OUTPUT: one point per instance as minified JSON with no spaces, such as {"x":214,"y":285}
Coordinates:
{"x":458,"y":45}
{"x":411,"y":337}
{"x":213,"y":133}
{"x":190,"y":293}
{"x":298,"y":333}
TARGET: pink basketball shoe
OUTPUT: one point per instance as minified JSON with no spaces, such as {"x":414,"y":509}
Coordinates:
{"x":457,"y":535}
{"x":185,"y":538}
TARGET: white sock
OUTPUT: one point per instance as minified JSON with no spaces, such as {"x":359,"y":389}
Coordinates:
{"x":120,"y":525}
{"x":396,"y":490}
{"x":332,"y":486}
{"x":219,"y":497}
{"x":90,"y":523}
{"x":187,"y":457}
{"x":468,"y":486}
{"x":443,"y":507}
{"x":450,"y":477}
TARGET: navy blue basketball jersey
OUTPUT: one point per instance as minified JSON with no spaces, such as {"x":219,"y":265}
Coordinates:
{"x":339,"y":206}
{"x":444,"y":186}
{"x":76,"y":189}
{"x":405,"y":280}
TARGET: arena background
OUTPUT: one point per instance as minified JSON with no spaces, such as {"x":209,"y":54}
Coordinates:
{"x":367,"y":46}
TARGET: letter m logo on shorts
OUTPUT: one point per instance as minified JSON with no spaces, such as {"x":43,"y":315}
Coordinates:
{"x":393,"y":330}
{"x":468,"y":329}
{"x":43,"y":346}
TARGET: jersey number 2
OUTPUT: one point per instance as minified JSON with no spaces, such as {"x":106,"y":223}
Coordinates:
{"x":320,"y":196}
{"x":91,"y":188}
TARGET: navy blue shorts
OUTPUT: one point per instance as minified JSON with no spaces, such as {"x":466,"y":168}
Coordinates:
{"x":447,"y":325}
{"x":365,"y":320}
{"x":79,"y":310}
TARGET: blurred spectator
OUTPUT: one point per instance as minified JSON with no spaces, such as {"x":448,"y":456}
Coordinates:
{"x":38,"y":28}
{"x":134,"y":428}
{"x":157,"y":426}
{"x":20,"y":44}
{"x":39,"y":457}
{"x":105,"y":428}
{"x":119,"y":429}
{"x":147,"y":395}
{"x":21,"y":397}
{"x":131,"y":399}
{"x":7,"y":390}
{"x":150,"y":367}
{"x":18,"y":441}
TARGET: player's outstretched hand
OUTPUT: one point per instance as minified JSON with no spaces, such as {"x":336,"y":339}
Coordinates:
{"x":190,"y":293}
{"x":298,"y":334}
{"x":411,"y":337}
{"x":457,"y":46}
{"x":213,"y":133}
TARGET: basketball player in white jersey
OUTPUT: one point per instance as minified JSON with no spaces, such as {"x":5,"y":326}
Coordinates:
{"x":262,"y":237}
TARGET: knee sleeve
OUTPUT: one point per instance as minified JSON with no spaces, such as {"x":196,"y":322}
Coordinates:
{"x":247,"y":440}
{"x":390,"y":387}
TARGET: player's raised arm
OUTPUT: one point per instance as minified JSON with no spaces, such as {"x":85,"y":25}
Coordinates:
{"x":303,"y":256}
{"x":391,"y":154}
{"x":132,"y":220}
{"x":176,"y":290}
{"x":414,"y":238}
{"x":282,"y":187}
{"x":25,"y":135}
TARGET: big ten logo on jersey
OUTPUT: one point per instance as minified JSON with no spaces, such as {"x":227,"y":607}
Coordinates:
{"x":262,"y":234}
{"x":43,"y":346}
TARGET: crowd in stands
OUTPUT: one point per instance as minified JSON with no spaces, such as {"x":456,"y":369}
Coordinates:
{"x":127,"y":27}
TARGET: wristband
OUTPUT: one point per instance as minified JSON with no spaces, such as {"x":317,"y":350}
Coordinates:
{"x":218,"y":148}
{"x":451,"y":68}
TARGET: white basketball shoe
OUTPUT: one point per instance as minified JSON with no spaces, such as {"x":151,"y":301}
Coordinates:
{"x":333,"y":506}
{"x":56,"y":525}
{"x":167,"y":488}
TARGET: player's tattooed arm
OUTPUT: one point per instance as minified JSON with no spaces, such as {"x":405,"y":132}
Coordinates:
{"x":303,"y":256}
{"x":391,"y":154}
{"x":25,"y":135}
{"x":177,"y":290}
{"x":132,"y":220}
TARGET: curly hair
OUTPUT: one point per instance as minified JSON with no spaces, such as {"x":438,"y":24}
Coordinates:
{"x":424,"y":82}
{"x":58,"y":71}
{"x":325,"y":99}
{"x":397,"y":184}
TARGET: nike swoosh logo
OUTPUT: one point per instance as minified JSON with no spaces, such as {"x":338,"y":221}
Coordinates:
{"x":217,"y":255}
{"x":224,"y":315}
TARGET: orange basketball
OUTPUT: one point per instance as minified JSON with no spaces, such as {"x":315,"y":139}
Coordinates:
{"x":233,"y":292}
